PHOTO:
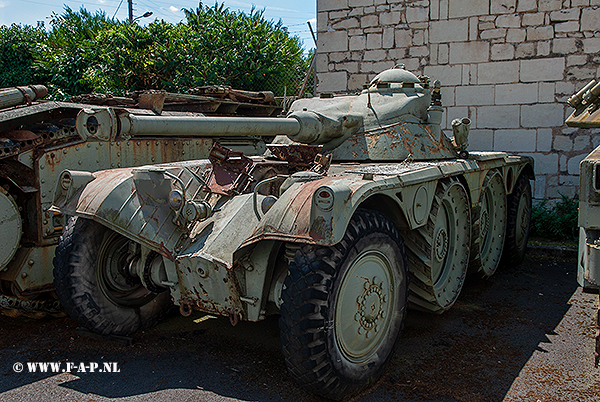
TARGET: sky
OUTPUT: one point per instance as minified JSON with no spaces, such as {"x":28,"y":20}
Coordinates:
{"x":294,"y":14}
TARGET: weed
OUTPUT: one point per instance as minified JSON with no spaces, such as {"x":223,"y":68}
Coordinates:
{"x":558,"y":222}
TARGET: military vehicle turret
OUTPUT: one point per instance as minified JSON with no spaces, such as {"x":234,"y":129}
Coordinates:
{"x":361,"y":207}
{"x":586,"y":103}
{"x":39,"y":139}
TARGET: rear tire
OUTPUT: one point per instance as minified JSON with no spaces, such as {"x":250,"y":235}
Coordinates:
{"x":518,"y":222}
{"x":93,"y":284}
{"x":344,"y":306}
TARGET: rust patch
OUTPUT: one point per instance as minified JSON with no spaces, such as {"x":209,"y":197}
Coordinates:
{"x":229,"y":174}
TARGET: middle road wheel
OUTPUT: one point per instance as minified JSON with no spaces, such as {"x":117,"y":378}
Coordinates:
{"x":438,"y":253}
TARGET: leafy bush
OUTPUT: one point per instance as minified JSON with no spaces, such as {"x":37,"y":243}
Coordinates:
{"x":558,"y":222}
{"x":85,"y":52}
{"x":17,"y":54}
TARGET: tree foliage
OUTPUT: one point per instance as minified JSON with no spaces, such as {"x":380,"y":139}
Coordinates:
{"x":85,"y":52}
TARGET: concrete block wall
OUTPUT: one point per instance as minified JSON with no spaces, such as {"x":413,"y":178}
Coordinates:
{"x":509,"y":65}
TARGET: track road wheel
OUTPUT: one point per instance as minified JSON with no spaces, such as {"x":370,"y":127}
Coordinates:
{"x":518,"y":222}
{"x":344,"y":306}
{"x":438,"y":253}
{"x":92,"y":280}
{"x":489,"y":226}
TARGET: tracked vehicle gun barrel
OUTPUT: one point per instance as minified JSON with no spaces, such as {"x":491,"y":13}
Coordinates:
{"x":18,"y":95}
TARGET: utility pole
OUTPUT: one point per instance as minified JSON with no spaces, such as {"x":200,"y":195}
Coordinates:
{"x":130,"y":2}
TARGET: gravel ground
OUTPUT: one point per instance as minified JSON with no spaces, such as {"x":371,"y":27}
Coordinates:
{"x":526,"y":334}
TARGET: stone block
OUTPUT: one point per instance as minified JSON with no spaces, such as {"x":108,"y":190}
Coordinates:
{"x":322,"y":21}
{"x":473,"y":28}
{"x":544,"y":140}
{"x":525,"y":50}
{"x":526,"y":5}
{"x":539,"y":187}
{"x":349,"y":66}
{"x":448,"y":96}
{"x":472,"y":95}
{"x":540,"y":33}
{"x":563,"y":143}
{"x":359,"y":3}
{"x":417,"y":14}
{"x":569,"y":26}
{"x":444,"y":9}
{"x":545,"y":164}
{"x":347,"y":24}
{"x":499,"y":72}
{"x":418,"y":51}
{"x":357,"y":43}
{"x":514,"y":140}
{"x":403,"y":37}
{"x":356,"y":81}
{"x":449,"y":31}
{"x":330,"y":5}
{"x":469,"y":52}
{"x":374,"y":41}
{"x":388,"y":38}
{"x":374,"y":55}
{"x":333,"y":82}
{"x":515,"y":94}
{"x":590,"y":18}
{"x":566,"y":14}
{"x":543,"y":48}
{"x":443,"y":54}
{"x":577,"y":60}
{"x":503,"y":6}
{"x":391,"y":18}
{"x":551,"y":69}
{"x":481,"y":140}
{"x":515,"y":35}
{"x":542,"y":115}
{"x":533,"y":19}
{"x":581,"y":143}
{"x":493,"y":33}
{"x":418,"y":37}
{"x":368,"y":21}
{"x":582,"y":3}
{"x":503,"y":51}
{"x":549,"y":5}
{"x":468,"y":8}
{"x":322,"y":61}
{"x":546,"y":92}
{"x":573,"y":164}
{"x":449,"y":75}
{"x":508,"y":21}
{"x":496,"y":117}
{"x":565,"y":45}
{"x":591,"y":45}
{"x":332,"y":41}
{"x":581,"y":73}
{"x":486,"y":25}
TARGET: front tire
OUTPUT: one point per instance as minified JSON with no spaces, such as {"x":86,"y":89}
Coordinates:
{"x":344,"y":306}
{"x":93,"y":283}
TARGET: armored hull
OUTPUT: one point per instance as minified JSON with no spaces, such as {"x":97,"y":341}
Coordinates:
{"x":360,"y":208}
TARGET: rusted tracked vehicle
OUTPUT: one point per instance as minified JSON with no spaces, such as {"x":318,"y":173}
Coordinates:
{"x":330,"y":245}
{"x":39,"y":139}
{"x":586,"y":103}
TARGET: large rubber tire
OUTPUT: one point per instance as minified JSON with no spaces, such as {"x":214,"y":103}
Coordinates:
{"x":489,"y":226}
{"x":518,"y":222}
{"x":344,"y":306}
{"x":438,"y":252}
{"x":86,"y":253}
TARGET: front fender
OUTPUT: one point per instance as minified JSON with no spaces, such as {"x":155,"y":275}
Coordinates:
{"x":295,"y":217}
{"x":130,"y":201}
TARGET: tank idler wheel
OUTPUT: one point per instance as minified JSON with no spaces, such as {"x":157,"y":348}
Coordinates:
{"x":94,"y":285}
{"x":344,"y":306}
{"x":518,"y":222}
{"x":438,"y":253}
{"x":489,"y":226}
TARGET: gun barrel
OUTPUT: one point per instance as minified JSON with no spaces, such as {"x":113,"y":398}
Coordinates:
{"x":106,"y":124}
{"x":173,"y":126}
{"x":18,"y":95}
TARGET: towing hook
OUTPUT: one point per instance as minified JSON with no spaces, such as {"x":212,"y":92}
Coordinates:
{"x":234,"y":318}
{"x":185,"y":309}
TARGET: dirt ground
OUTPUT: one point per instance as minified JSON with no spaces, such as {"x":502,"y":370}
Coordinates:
{"x":525,"y":334}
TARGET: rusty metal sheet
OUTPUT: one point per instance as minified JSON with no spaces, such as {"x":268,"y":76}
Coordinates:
{"x":229,"y":174}
{"x":295,"y":153}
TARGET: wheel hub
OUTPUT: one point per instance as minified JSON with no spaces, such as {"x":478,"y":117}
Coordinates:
{"x":441,"y":244}
{"x":370,"y":307}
